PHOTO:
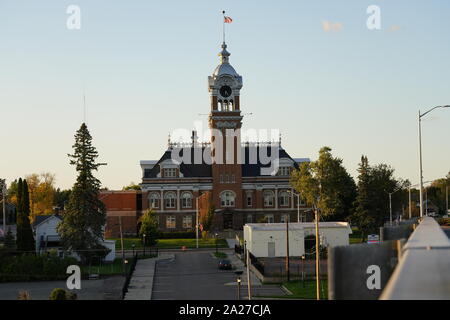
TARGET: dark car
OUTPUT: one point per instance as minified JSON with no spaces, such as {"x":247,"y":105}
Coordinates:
{"x":225,"y":265}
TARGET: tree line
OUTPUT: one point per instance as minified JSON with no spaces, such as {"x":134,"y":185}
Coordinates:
{"x":326,"y":184}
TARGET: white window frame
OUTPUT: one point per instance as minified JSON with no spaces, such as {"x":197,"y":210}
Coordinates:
{"x":171,"y":222}
{"x":152,"y":198}
{"x":187,"y":222}
{"x":283,"y":199}
{"x":268,"y":202}
{"x":170,"y":198}
{"x":170,"y":172}
{"x":269,"y":218}
{"x":283,"y":218}
{"x":227,"y":198}
{"x":186,"y":200}
{"x":248,"y":197}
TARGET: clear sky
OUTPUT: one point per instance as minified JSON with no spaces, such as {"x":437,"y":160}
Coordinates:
{"x":311,"y":69}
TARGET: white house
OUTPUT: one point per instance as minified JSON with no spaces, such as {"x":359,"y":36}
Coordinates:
{"x":269,"y":239}
{"x":48,"y":238}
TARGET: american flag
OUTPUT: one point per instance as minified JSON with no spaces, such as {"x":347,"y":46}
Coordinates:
{"x":227,"y":19}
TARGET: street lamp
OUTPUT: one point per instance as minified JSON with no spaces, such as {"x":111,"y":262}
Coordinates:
{"x":144,"y":243}
{"x":238,"y":280}
{"x":420,"y":154}
{"x":216,"y":235}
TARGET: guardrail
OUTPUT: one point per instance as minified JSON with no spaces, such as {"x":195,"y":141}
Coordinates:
{"x":423,"y":269}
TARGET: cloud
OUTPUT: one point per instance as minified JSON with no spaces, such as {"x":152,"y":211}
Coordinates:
{"x":329,"y":26}
{"x":394,"y":28}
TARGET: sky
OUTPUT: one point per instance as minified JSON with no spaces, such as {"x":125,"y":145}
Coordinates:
{"x":312,"y":69}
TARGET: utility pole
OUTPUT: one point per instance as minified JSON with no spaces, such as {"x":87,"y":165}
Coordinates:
{"x":409,"y":199}
{"x":298,"y":207}
{"x":446,"y":198}
{"x":196,"y":221}
{"x":287,"y":247}
{"x":317,"y":255}
{"x":249,"y":285}
{"x":390,"y":207}
{"x":121,"y":244}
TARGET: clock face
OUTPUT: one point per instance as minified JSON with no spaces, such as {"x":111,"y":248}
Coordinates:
{"x":225,"y":91}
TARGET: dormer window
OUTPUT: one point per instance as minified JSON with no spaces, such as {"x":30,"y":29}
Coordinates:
{"x":170,"y":172}
{"x":284,"y":171}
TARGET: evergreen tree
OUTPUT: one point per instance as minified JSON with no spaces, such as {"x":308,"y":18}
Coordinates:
{"x":85,"y":215}
{"x":27,"y":239}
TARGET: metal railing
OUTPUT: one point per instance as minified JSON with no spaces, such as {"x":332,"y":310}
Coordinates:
{"x":423,"y":269}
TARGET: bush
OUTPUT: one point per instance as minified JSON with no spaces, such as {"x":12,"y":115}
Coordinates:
{"x":177,"y":235}
{"x":34,"y":267}
{"x":61,"y":294}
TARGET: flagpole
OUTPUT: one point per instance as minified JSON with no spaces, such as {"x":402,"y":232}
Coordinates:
{"x":223,"y":25}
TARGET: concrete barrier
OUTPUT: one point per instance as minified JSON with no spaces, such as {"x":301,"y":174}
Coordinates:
{"x":348,"y":269}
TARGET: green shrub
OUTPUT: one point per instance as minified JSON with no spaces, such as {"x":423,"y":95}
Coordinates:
{"x":58,"y":294}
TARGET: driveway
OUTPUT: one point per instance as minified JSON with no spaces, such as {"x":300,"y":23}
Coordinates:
{"x":193,"y":276}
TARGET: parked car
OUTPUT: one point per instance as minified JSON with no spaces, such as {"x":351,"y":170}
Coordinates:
{"x":225,"y":265}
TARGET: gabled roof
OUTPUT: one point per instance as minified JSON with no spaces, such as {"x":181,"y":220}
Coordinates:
{"x":41,"y":218}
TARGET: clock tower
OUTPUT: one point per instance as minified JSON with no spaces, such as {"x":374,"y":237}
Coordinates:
{"x":225,"y":122}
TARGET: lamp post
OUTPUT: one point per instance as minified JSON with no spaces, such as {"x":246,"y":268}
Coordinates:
{"x":421,"y":115}
{"x":144,"y":243}
{"x":316,"y":212}
{"x":216,"y":235}
{"x":303,"y":270}
{"x":238,"y":280}
{"x":196,"y":222}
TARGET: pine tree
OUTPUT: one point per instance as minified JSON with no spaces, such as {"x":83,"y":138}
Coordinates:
{"x":27,"y":240}
{"x":85,"y":215}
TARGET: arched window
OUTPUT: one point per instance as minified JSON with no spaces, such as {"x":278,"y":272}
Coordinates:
{"x":153,"y":200}
{"x":169,"y":200}
{"x":186,"y":200}
{"x":268,"y":198}
{"x":227,"y":199}
{"x":283,"y":197}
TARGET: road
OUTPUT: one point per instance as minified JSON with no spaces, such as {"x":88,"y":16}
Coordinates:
{"x":193,"y":276}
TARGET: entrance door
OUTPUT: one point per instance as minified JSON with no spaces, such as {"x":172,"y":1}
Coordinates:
{"x":271,"y":249}
{"x":227,"y":221}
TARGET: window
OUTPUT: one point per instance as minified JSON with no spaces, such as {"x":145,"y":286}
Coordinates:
{"x":227,"y":179}
{"x":221,"y":178}
{"x":169,"y":200}
{"x":187,"y":222}
{"x":284,"y":218}
{"x":268,"y":198}
{"x":249,"y":218}
{"x":186,"y":200}
{"x":269,"y":218}
{"x":153,"y":200}
{"x":284,"y":171}
{"x":249,"y":199}
{"x":170,"y":222}
{"x":284,"y":198}
{"x":170,"y":173}
{"x":233,"y":179}
{"x":227,"y":199}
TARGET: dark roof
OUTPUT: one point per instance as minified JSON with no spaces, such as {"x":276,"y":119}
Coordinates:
{"x":39,"y":219}
{"x":204,"y":169}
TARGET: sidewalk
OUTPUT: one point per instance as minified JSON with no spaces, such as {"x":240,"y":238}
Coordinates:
{"x":141,"y":282}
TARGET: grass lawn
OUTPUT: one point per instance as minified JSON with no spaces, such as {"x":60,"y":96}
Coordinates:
{"x":220,"y":255}
{"x":172,"y":243}
{"x":307,"y":292}
{"x":355,"y":237}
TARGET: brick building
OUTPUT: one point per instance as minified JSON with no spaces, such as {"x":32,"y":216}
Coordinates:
{"x":243,"y":186}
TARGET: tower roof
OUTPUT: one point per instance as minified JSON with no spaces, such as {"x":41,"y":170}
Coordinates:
{"x":224,"y":67}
